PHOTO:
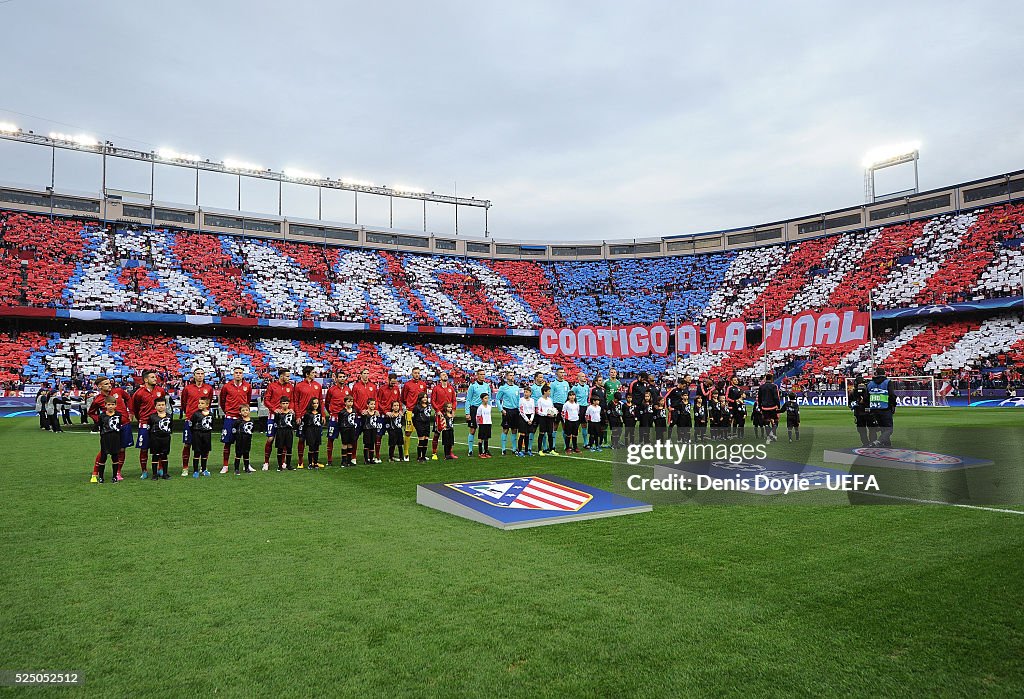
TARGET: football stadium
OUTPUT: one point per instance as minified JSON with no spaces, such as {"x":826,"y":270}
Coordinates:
{"x":252,"y":448}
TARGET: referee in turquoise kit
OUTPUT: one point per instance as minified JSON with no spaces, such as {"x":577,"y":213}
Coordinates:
{"x":478,"y":387}
{"x":507,"y":399}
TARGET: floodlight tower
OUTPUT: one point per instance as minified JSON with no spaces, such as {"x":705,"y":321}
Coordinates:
{"x":889,"y":156}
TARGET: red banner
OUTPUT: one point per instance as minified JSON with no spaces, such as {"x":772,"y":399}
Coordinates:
{"x":807,"y":329}
{"x":620,"y":341}
{"x":829,"y":326}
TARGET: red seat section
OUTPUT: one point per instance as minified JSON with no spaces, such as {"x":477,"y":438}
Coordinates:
{"x":468,"y":293}
{"x":203,"y":257}
{"x":803,"y":259}
{"x":875,"y":265}
{"x":15,"y":351}
{"x":910,"y":358}
{"x":141,"y":352}
{"x":40,"y":255}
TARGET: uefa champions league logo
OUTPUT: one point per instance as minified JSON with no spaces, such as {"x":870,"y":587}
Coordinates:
{"x":741,"y":466}
{"x":1015,"y":402}
{"x":908,"y":456}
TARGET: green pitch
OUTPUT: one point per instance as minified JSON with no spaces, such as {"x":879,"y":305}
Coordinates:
{"x":337,"y":583}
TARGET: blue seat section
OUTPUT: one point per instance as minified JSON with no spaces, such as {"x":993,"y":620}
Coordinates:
{"x":575,"y":286}
{"x":623,"y":292}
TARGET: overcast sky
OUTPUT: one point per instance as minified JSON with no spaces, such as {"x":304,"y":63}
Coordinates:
{"x":578,"y":120}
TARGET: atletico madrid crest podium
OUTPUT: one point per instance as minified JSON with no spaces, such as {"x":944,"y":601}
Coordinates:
{"x":526,"y":501}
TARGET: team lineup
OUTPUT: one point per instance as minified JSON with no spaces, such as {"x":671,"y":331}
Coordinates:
{"x":599,"y":414}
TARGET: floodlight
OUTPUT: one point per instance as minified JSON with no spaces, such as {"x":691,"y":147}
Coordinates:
{"x":300,"y":174}
{"x":171,"y":154}
{"x":7,"y":127}
{"x":80,"y":139}
{"x":232,"y":164}
{"x":882,"y":154}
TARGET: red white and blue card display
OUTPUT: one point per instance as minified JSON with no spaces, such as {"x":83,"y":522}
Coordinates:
{"x":525,"y":501}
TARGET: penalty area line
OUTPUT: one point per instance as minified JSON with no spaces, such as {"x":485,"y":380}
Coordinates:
{"x":948,"y":504}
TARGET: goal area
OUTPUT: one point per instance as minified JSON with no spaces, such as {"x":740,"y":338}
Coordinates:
{"x":912,"y":391}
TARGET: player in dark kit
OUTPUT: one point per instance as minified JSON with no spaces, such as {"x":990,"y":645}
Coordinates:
{"x":734,"y":396}
{"x":769,"y":400}
{"x":422,"y":418}
{"x":110,"y":439}
{"x":678,"y":400}
{"x":160,"y":425}
{"x":792,"y":410}
{"x":615,"y":422}
{"x":284,"y":433}
{"x":757,"y":419}
{"x":645,"y":417}
{"x":244,"y":429}
{"x":859,"y":403}
{"x":739,"y":418}
{"x":629,"y":415}
{"x":201,"y":426}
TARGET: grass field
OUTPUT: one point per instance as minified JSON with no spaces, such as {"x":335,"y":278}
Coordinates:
{"x":338,"y":583}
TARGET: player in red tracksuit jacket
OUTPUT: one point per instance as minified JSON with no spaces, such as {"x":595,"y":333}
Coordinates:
{"x":275,"y":391}
{"x":142,"y":405}
{"x":411,"y":391}
{"x":305,"y":391}
{"x":334,"y":402}
{"x":197,"y":388}
{"x":235,"y":393}
{"x":442,"y":392}
{"x":362,"y":391}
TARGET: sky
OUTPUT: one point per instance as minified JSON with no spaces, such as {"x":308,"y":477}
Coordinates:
{"x":578,"y":121}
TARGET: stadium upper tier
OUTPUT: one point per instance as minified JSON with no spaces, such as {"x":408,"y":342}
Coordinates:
{"x":72,"y":263}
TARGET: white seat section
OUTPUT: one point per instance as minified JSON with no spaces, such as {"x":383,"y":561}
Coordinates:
{"x":420,"y":271}
{"x":163,"y":287}
{"x":995,"y":335}
{"x":839,"y":261}
{"x":286,"y":354}
{"x":284,"y":285}
{"x":884,"y":349}
{"x":939,"y":237}
{"x":749,"y":274}
{"x":360,"y":280}
{"x":93,"y":358}
{"x":209,"y":355}
{"x":516,"y":312}
{"x":403,"y":360}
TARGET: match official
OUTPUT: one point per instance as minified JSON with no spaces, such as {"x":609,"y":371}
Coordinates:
{"x":881,"y":407}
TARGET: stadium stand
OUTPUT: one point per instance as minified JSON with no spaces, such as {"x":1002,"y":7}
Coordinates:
{"x":78,"y":264}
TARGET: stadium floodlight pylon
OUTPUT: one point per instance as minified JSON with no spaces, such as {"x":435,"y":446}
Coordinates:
{"x":889,"y":156}
{"x":911,"y":391}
